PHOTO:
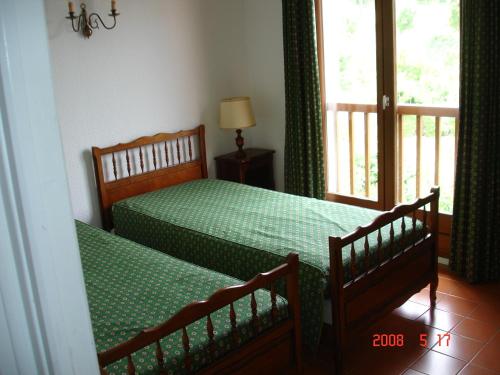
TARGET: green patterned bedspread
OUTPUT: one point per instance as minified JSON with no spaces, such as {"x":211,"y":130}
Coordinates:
{"x":131,"y":287}
{"x":240,"y":230}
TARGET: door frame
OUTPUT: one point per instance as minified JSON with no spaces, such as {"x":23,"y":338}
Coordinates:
{"x":386,"y":119}
{"x":44,"y":316}
{"x":386,"y":64}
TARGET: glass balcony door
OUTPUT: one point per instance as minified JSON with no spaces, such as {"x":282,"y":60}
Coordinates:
{"x":427,"y":68}
{"x":390,"y":74}
{"x":352,"y":87}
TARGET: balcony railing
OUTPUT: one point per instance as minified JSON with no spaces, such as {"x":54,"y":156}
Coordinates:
{"x":426,"y":149}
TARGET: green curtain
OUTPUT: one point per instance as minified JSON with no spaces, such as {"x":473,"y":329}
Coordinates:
{"x":304,"y":174}
{"x":475,"y":246}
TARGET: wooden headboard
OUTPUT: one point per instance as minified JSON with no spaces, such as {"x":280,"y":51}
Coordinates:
{"x":147,"y":164}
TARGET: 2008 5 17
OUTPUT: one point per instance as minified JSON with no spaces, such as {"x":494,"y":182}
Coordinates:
{"x":398,"y":339}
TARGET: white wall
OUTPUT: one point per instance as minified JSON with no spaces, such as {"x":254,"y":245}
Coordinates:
{"x":264,"y":51}
{"x":164,"y":68}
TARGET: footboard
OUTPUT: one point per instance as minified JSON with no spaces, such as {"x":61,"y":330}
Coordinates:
{"x":385,"y":278}
{"x":281,"y":342}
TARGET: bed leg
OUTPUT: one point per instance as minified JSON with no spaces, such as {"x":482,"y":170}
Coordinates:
{"x":337,"y":295}
{"x":292,"y":284}
{"x":338,"y":365}
{"x":433,"y":287}
{"x":435,"y":235}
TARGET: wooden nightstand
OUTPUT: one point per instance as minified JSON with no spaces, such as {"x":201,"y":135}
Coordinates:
{"x":255,"y":169}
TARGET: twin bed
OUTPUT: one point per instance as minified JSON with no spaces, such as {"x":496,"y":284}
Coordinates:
{"x":157,"y":193}
{"x":145,"y":321}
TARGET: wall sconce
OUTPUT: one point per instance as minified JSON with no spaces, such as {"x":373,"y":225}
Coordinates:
{"x":87,"y":24}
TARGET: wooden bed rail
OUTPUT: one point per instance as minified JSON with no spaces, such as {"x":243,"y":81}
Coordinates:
{"x":154,"y":139}
{"x":146,"y":164}
{"x":387,"y":277}
{"x":200,"y":309}
{"x":389,"y":217}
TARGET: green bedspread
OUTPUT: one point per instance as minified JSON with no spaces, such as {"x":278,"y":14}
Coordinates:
{"x":240,"y":230}
{"x":131,"y":287}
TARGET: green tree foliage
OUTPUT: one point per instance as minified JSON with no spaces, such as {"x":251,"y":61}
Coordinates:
{"x":405,"y":19}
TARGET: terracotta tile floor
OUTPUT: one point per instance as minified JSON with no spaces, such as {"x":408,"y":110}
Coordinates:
{"x":466,"y":319}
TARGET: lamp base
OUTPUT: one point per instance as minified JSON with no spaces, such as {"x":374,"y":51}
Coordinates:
{"x":240,"y":141}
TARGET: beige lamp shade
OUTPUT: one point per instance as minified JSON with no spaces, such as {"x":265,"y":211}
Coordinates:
{"x":236,"y":113}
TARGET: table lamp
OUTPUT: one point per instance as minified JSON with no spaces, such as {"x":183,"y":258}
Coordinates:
{"x":236,"y":113}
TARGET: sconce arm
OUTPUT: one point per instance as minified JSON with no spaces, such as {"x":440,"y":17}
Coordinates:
{"x":72,"y":17}
{"x":94,"y":18}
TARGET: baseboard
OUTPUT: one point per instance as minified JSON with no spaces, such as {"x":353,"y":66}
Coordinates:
{"x":444,"y":261}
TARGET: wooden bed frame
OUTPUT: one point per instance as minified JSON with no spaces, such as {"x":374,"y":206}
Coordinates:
{"x":275,"y":350}
{"x":376,"y":289}
{"x":171,"y":165}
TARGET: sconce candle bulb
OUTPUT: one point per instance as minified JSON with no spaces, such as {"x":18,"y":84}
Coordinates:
{"x":86,"y":24}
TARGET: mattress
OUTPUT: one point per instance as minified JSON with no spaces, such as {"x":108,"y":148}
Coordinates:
{"x":131,"y":287}
{"x":240,"y":230}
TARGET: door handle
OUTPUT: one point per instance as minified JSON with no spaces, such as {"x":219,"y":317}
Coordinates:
{"x":386,"y":102}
